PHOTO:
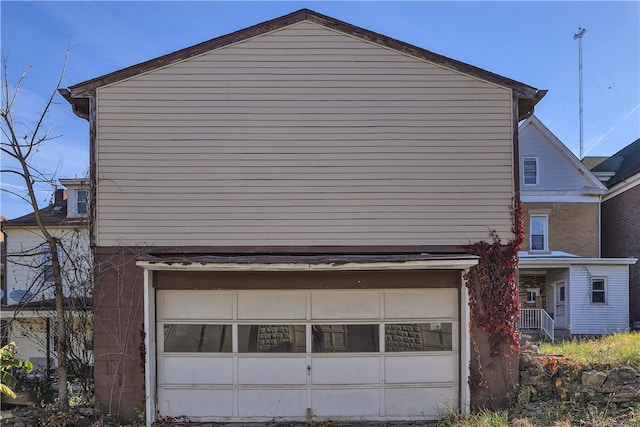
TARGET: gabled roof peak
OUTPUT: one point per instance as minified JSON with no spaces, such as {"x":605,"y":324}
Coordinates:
{"x":79,"y":94}
{"x":597,"y":186}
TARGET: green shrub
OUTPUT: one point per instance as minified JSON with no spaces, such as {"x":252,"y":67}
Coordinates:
{"x":11,"y":362}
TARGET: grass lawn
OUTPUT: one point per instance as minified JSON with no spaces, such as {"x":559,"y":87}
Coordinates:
{"x":606,"y":352}
{"x":609,"y":350}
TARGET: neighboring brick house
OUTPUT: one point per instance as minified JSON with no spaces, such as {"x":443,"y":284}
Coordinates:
{"x":620,"y":215}
{"x":561,"y":268}
{"x":28,"y":308}
{"x":278,"y":222}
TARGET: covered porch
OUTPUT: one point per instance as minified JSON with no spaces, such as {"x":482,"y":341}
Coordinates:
{"x":563,"y":295}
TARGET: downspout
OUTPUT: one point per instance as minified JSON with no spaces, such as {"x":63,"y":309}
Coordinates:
{"x":516,"y":151}
{"x":600,"y":226}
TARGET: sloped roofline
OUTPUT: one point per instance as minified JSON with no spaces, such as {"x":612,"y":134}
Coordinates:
{"x":566,"y":153}
{"x":78,"y":95}
{"x":49,"y":217}
{"x":623,"y":165}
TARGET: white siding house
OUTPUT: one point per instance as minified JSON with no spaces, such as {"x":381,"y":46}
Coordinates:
{"x":583,"y":292}
{"x":600,"y":295}
{"x":29,"y":313}
{"x":560,"y":175}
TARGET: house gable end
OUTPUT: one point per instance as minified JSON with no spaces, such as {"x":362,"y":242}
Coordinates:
{"x":558,"y":169}
{"x":79,"y":94}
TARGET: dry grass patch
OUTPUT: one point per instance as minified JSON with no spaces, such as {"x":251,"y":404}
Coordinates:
{"x":621,"y":349}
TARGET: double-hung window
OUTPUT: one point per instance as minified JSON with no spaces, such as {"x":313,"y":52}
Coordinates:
{"x":532,"y":294}
{"x":530,"y":170}
{"x":81,"y":202}
{"x":539,"y":233}
{"x":598,"y":290}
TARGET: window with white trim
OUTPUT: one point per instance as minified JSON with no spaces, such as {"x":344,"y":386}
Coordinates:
{"x":598,"y":290}
{"x":539,"y":233}
{"x":530,"y":170}
{"x":81,"y":202}
{"x":532,"y":294}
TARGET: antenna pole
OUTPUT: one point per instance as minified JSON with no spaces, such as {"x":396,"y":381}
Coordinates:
{"x":578,"y":36}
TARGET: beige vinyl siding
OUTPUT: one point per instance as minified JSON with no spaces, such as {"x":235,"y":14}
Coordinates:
{"x":304,"y":136}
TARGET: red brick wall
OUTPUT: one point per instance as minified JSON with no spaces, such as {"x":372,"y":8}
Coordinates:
{"x":119,"y":319}
{"x":621,"y":239}
{"x":573,"y":227}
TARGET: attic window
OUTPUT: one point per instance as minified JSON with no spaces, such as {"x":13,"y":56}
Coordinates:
{"x":530,"y":170}
{"x":81,"y":202}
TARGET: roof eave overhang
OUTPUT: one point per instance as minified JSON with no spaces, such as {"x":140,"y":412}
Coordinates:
{"x":80,"y":105}
{"x":542,"y":262}
{"x":528,"y":98}
{"x":461,"y":263}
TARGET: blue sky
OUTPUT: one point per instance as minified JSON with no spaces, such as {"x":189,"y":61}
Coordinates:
{"x":531,"y":42}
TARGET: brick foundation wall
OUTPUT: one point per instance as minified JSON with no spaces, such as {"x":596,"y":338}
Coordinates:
{"x":621,"y":239}
{"x":527,"y":281}
{"x":119,"y":319}
{"x":573,"y":227}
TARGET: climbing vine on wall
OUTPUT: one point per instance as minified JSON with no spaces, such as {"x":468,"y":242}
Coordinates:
{"x":493,"y":290}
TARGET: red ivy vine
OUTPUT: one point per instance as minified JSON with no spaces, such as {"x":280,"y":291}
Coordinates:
{"x":493,"y":290}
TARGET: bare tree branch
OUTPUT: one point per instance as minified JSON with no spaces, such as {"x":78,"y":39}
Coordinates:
{"x":22,"y":153}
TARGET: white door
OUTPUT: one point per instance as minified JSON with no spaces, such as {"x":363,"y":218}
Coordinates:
{"x":307,"y":354}
{"x":560,"y":313}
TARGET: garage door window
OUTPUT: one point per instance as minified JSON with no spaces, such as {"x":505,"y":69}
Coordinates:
{"x":418,"y":337}
{"x":271,"y":339}
{"x":194,"y":338}
{"x":345,"y":338}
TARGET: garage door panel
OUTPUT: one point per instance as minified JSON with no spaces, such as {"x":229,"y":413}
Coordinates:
{"x":420,"y":369}
{"x":345,"y":370}
{"x":333,"y":305}
{"x":427,"y":402}
{"x":431,"y":304}
{"x":262,"y":370}
{"x":357,"y":354}
{"x":186,"y":305}
{"x":195,"y":403}
{"x":272,"y":403}
{"x":272,"y":305}
{"x":346,"y":403}
{"x":195,"y":370}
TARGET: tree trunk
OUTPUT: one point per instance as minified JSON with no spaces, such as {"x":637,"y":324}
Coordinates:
{"x":61,"y":343}
{"x":21,"y":149}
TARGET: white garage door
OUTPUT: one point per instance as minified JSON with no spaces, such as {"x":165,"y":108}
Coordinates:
{"x":252,"y":355}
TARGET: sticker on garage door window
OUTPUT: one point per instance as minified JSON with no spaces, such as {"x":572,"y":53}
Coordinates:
{"x":345,"y":338}
{"x":418,"y":337}
{"x":190,"y":338}
{"x":272,"y":338}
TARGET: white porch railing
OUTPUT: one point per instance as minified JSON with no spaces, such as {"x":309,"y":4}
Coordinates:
{"x":537,"y":318}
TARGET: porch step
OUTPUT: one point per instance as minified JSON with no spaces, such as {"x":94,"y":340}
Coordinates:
{"x":530,"y":336}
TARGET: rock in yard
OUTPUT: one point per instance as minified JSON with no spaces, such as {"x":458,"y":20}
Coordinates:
{"x":593,"y":378}
{"x":624,"y":374}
